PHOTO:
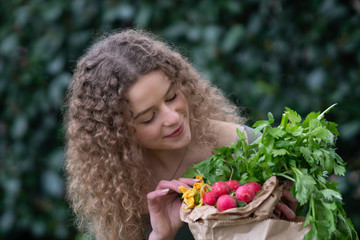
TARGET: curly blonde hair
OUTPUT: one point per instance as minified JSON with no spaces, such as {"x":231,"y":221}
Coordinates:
{"x":105,"y":182}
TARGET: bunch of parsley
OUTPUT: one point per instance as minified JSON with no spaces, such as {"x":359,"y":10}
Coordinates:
{"x":301,"y":151}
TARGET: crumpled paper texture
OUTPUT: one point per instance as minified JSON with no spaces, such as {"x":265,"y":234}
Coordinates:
{"x":250,"y":222}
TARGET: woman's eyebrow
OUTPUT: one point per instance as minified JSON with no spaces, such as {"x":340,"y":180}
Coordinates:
{"x":148,"y":109}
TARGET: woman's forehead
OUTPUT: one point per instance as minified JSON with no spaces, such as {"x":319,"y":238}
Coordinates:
{"x":150,"y":88}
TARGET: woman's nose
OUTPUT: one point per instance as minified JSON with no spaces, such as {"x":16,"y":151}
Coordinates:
{"x":171,"y":116}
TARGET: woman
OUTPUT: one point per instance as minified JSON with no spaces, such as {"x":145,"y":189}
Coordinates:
{"x":138,"y":115}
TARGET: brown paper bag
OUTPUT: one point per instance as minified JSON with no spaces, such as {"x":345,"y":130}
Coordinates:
{"x":250,"y":222}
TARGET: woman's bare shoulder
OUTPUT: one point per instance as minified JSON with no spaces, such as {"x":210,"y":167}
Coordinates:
{"x":226,"y":132}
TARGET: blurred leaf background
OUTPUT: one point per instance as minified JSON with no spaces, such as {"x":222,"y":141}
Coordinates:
{"x":265,"y":55}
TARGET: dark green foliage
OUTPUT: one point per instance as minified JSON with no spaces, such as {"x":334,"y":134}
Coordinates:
{"x":265,"y":55}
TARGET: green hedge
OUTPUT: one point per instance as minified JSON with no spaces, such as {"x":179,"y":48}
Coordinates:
{"x":265,"y":55}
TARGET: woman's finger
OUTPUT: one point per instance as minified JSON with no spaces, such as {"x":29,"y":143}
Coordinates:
{"x":189,"y":181}
{"x":171,"y":185}
{"x":179,"y":183}
{"x":157,"y":193}
{"x":286,"y":211}
{"x":276,"y":214}
{"x":290,"y":199}
{"x":175,"y":184}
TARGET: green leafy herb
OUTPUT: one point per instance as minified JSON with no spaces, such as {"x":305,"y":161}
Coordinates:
{"x":302,"y":151}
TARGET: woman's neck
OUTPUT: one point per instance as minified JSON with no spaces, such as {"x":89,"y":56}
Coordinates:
{"x":167,"y":160}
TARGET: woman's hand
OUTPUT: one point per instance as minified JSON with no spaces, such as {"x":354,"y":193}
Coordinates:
{"x":164,"y":208}
{"x":286,"y":208}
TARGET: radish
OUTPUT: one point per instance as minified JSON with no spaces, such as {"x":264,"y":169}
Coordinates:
{"x":210,"y":198}
{"x":245,"y":194}
{"x":254,"y":186}
{"x":220,"y":188}
{"x":225,"y":202}
{"x":233,"y":184}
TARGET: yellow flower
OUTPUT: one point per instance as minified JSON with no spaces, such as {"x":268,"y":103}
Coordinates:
{"x":193,"y":196}
{"x":198,"y":186}
{"x":190,"y":202}
{"x":188,"y":196}
{"x":191,"y":192}
{"x":200,"y":177}
{"x":182,"y":189}
{"x":204,"y":189}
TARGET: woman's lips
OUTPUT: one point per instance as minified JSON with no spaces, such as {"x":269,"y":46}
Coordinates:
{"x":177,"y":132}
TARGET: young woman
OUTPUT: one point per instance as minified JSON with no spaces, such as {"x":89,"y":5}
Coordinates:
{"x":138,"y":116}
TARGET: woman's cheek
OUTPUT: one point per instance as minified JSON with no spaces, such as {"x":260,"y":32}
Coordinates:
{"x":146,"y":135}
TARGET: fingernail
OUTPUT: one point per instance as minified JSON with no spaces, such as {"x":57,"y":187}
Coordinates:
{"x":197,"y":180}
{"x":164,"y":191}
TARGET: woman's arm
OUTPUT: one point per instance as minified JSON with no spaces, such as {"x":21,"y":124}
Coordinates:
{"x":225,"y":132}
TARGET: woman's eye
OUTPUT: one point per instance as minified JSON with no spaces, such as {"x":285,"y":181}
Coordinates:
{"x":150,"y":120}
{"x":172,"y":98}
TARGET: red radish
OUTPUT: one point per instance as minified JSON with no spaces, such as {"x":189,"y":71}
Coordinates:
{"x":220,"y":188}
{"x":233,"y":184}
{"x":210,"y":198}
{"x":254,"y":186}
{"x":245,"y":194}
{"x":225,"y":202}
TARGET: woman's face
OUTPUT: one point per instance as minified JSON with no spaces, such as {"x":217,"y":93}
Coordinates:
{"x":161,"y":113}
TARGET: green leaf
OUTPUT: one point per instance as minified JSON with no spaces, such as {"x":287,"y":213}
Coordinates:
{"x":293,"y":116}
{"x":332,"y":127}
{"x":241,"y":135}
{"x":260,"y":125}
{"x":331,"y":195}
{"x":309,"y":117}
{"x":271,"y":118}
{"x":279,"y":152}
{"x":314,"y":123}
{"x":296,"y":130}
{"x":276,"y":132}
{"x":305,"y":185}
{"x":339,"y":170}
{"x":345,"y":228}
{"x":282,"y":144}
{"x":323,"y":133}
{"x":307,"y":154}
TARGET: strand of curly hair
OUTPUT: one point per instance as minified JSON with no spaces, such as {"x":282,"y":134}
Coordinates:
{"x":104,"y":174}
